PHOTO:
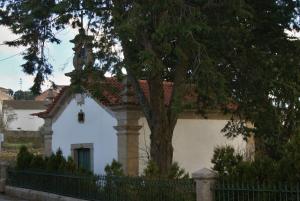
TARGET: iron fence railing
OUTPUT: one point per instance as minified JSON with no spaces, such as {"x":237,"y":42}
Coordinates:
{"x":252,"y":191}
{"x":105,"y":188}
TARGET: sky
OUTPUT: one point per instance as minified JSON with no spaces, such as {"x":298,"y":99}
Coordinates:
{"x":60,"y":56}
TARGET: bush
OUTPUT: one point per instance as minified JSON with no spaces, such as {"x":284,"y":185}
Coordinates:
{"x":37,"y":163}
{"x":225,"y":160}
{"x":263,"y":168}
{"x":24,"y":158}
{"x":114,"y":169}
{"x":175,"y":172}
{"x":70,"y":165}
{"x":55,"y":163}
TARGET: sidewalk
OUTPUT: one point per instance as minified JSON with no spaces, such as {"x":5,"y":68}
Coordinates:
{"x":6,"y":198}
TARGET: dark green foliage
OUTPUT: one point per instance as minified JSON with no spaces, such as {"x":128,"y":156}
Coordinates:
{"x":225,"y":160}
{"x":10,"y":92}
{"x":23,"y":95}
{"x":24,"y":158}
{"x":262,"y":168}
{"x":70,"y":165}
{"x":175,"y":172}
{"x":232,"y":165}
{"x":56,"y":163}
{"x":289,"y":165}
{"x":31,"y":20}
{"x":261,"y":60}
{"x":114,"y":169}
{"x":38,"y":163}
{"x":151,"y":170}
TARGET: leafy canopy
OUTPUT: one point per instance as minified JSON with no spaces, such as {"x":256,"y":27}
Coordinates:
{"x":233,"y":51}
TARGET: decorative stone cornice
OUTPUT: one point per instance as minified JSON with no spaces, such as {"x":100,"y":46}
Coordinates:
{"x":128,"y":129}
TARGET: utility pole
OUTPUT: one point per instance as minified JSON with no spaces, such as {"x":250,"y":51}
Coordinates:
{"x":20,"y":83}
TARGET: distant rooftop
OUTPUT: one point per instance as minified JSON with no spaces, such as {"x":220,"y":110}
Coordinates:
{"x":49,"y":94}
{"x":25,"y":104}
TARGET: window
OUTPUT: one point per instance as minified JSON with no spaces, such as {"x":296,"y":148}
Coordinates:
{"x":83,"y":155}
{"x":83,"y":158}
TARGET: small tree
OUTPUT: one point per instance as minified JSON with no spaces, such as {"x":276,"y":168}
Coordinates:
{"x":24,"y":158}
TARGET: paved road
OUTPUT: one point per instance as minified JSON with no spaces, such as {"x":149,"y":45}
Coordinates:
{"x":6,"y":198}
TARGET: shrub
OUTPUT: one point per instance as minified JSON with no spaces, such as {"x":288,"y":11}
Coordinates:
{"x":175,"y":172}
{"x":70,"y":165}
{"x":225,"y":160}
{"x":114,"y":169}
{"x":37,"y":163}
{"x":24,"y":158}
{"x":55,"y":163}
{"x":263,"y":168}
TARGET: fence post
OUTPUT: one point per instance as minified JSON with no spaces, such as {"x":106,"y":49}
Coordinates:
{"x":3,"y":176}
{"x":205,"y":180}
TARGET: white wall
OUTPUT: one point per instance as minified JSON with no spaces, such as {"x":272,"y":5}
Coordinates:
{"x":23,"y":120}
{"x":194,"y":142}
{"x":97,"y":129}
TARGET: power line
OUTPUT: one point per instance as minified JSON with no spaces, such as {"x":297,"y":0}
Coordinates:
{"x":11,"y":56}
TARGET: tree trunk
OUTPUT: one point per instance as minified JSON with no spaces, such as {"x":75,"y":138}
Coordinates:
{"x":161,"y":117}
{"x":161,"y":125}
{"x":161,"y":148}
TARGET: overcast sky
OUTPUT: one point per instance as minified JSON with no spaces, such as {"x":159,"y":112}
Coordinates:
{"x":60,"y":56}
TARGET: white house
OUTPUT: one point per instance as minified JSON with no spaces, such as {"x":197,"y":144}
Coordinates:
{"x":5,"y":94}
{"x":17,"y":114}
{"x":95,"y":131}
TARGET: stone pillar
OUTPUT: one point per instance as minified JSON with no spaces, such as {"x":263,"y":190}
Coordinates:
{"x":250,"y":146}
{"x":47,"y":132}
{"x":205,"y":181}
{"x":127,"y":115}
{"x":128,"y":139}
{"x":3,"y":176}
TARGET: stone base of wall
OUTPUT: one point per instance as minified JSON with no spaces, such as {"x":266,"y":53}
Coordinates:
{"x":33,"y":195}
{"x":32,"y":139}
{"x":13,"y":140}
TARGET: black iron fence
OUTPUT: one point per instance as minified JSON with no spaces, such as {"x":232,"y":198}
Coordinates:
{"x":252,"y":191}
{"x":105,"y":188}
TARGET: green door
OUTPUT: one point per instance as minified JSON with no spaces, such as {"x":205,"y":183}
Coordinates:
{"x":84,"y":158}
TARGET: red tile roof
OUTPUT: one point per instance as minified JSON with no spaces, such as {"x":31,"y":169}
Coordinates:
{"x":49,"y":94}
{"x":111,"y":95}
{"x":53,"y":104}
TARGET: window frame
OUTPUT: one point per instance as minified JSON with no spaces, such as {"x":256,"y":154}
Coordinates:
{"x":74,"y":153}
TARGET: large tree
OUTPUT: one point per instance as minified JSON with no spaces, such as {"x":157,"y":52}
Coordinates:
{"x":230,"y":52}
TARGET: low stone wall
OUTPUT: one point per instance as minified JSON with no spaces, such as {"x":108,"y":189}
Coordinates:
{"x":34,"y":138}
{"x":33,"y":195}
{"x":13,"y":140}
